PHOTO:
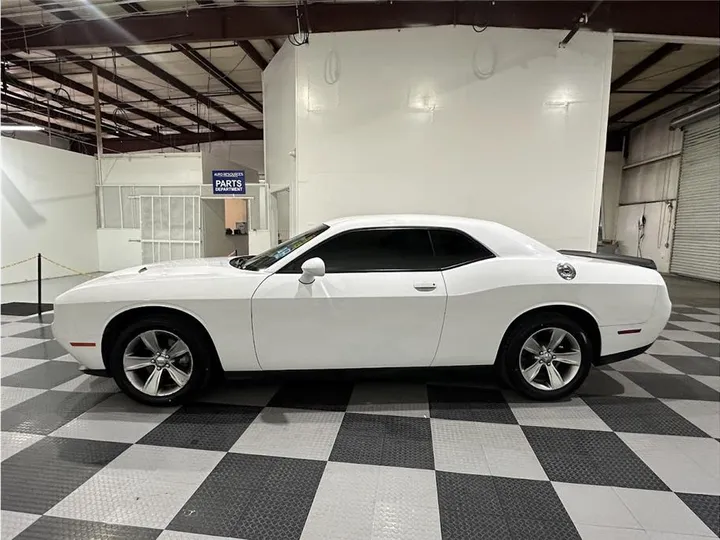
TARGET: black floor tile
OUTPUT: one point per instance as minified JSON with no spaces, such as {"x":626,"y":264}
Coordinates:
{"x":473,"y":506}
{"x":55,"y":528}
{"x":203,"y":426}
{"x":471,"y":404}
{"x":670,"y":326}
{"x":249,"y":496}
{"x":43,"y":332}
{"x":23,"y":308}
{"x":46,"y":375}
{"x":393,"y":441}
{"x":640,"y":415}
{"x":599,"y":383}
{"x":321,"y":396}
{"x":38,"y":477}
{"x":706,"y":507}
{"x":590,"y":457}
{"x":48,"y":350}
{"x":533,"y":529}
{"x":692,"y":365}
{"x":47,"y":412}
{"x":666,"y":386}
{"x":713,"y":335}
{"x":708,"y":349}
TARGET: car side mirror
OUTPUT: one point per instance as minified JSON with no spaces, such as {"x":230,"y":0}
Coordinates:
{"x":311,"y":269}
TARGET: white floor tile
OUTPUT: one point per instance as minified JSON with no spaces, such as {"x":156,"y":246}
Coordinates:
{"x":595,"y":505}
{"x":712,"y":381}
{"x":14,"y":328}
{"x":571,"y":414}
{"x":685,"y":464}
{"x":644,"y":363}
{"x":687,"y":335}
{"x":291,"y":433}
{"x":660,"y":511}
{"x":89,"y":384}
{"x":595,"y":532}
{"x":630,"y":389}
{"x":11,"y":366}
{"x":117,"y":419}
{"x":713,"y":318}
{"x":146,"y":486}
{"x":698,"y":326}
{"x":11,"y":396}
{"x":483,"y":448}
{"x":670,"y":348}
{"x":390,"y":399}
{"x":9,"y":345}
{"x":13,"y":523}
{"x":704,"y":414}
{"x":714,"y":310}
{"x":11,"y":442}
{"x":356,"y":502}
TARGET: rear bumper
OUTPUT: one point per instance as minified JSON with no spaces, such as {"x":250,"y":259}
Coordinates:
{"x":624,"y":355}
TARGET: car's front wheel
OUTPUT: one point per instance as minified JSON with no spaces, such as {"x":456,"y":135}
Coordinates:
{"x":160,"y":360}
{"x":547,"y":356}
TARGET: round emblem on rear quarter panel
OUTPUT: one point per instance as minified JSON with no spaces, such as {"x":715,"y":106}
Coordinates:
{"x":566,"y":271}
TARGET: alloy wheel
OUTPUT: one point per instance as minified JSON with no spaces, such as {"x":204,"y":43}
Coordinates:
{"x":550,"y":359}
{"x":157,"y":363}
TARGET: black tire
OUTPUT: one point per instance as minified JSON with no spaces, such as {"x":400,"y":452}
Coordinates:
{"x":195,"y":338}
{"x":509,"y":358}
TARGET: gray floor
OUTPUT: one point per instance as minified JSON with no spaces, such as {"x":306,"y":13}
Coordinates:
{"x":634,"y":455}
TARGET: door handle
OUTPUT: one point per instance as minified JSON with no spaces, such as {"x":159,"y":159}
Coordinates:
{"x":425,"y":286}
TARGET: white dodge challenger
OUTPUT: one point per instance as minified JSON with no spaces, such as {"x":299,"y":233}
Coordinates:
{"x":366,"y":292}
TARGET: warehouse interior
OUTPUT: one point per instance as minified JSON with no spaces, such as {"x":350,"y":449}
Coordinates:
{"x":146,"y":131}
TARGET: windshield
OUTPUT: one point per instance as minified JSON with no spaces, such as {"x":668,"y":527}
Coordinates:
{"x":273,"y":255}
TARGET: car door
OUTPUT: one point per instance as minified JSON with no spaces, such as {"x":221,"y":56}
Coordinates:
{"x":381,"y":303}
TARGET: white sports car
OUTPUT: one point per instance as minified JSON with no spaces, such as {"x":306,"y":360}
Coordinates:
{"x":366,"y":292}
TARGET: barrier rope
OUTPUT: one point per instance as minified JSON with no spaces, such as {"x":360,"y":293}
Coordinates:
{"x":67,"y":267}
{"x":33,"y":258}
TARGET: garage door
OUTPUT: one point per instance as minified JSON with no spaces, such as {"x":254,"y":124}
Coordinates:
{"x":696,"y":245}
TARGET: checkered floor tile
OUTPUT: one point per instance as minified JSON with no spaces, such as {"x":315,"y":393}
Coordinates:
{"x":635,"y":454}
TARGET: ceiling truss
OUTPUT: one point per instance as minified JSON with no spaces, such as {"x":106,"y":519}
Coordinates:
{"x":157,"y":119}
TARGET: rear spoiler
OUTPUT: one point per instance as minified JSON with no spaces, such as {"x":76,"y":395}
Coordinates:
{"x":627,"y":259}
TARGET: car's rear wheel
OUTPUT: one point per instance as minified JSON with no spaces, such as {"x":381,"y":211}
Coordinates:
{"x":547,"y":356}
{"x":161,"y":360}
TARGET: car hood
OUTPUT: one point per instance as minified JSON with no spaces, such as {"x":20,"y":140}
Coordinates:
{"x":169,"y":270}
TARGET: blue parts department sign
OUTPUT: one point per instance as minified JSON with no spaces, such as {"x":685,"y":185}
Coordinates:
{"x":228,"y":182}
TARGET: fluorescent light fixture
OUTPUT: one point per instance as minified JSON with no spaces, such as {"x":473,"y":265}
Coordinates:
{"x":21,"y":128}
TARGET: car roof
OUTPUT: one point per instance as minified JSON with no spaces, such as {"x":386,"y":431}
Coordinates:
{"x":500,"y":239}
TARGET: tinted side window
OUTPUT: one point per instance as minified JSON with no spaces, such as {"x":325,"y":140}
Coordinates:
{"x":373,"y":250}
{"x":453,"y":248}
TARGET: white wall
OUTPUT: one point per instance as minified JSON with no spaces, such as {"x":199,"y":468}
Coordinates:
{"x":152,"y":169}
{"x":249,"y":153}
{"x":118,"y":248}
{"x":612,"y":181}
{"x":501,"y":125}
{"x":280,"y":123}
{"x":48,"y":207}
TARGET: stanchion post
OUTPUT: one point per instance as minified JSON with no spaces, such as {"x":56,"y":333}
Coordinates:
{"x":39,"y":286}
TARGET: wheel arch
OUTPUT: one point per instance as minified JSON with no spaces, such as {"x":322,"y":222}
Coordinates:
{"x":583,"y":317}
{"x":122,"y":319}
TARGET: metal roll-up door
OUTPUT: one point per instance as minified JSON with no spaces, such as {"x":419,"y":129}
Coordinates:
{"x":696,"y":243}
